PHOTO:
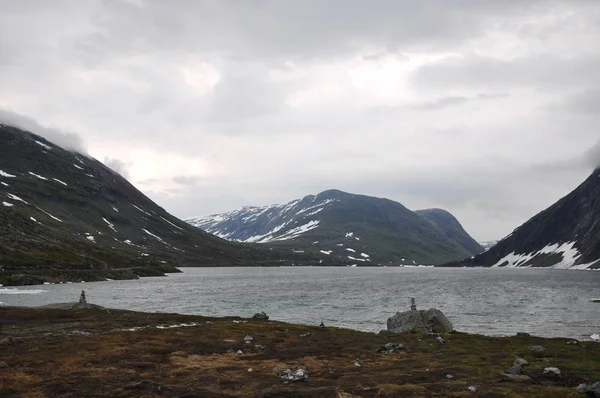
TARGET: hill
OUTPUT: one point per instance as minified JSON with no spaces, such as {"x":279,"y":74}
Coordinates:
{"x":344,"y":228}
{"x":565,"y":235}
{"x":66,"y":216}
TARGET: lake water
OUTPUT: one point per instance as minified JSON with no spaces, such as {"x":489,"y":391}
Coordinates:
{"x":550,"y":303}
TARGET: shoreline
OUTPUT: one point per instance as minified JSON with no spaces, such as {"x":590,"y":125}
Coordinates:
{"x":110,"y":352}
{"x":15,"y":278}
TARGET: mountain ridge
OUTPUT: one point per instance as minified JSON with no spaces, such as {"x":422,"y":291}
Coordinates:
{"x":565,"y":235}
{"x":67,"y":216}
{"x":332,"y":223}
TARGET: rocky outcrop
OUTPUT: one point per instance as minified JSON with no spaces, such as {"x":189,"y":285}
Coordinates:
{"x":422,"y":321}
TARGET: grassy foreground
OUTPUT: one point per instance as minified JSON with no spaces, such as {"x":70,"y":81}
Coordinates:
{"x":85,"y":352}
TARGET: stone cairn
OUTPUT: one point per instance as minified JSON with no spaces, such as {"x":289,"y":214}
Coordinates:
{"x":82,"y":299}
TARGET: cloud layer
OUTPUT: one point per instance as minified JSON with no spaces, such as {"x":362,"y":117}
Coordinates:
{"x":486,"y":108}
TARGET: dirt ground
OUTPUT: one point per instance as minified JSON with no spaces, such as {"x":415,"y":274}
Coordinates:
{"x":96,"y":352}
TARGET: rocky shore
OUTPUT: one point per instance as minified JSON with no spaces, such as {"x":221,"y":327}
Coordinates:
{"x":89,"y":351}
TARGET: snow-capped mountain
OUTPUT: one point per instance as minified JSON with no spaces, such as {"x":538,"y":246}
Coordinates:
{"x":488,"y":244}
{"x":344,"y":228}
{"x":565,"y":235}
{"x":66,"y":216}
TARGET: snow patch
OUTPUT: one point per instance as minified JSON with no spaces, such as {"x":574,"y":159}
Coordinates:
{"x":349,"y":234}
{"x":38,"y":176}
{"x":49,"y":215}
{"x":154,"y":236}
{"x":181,"y":229}
{"x":567,"y":250}
{"x":295,"y":232}
{"x":357,"y":259}
{"x":328,"y":252}
{"x":32,"y":219}
{"x":142,"y":210}
{"x":15,"y":197}
{"x":6,"y":204}
{"x":91,"y":238}
{"x":3,"y":183}
{"x":43,"y":145}
{"x":4,"y":174}
{"x":351,"y":250}
{"x":79,"y":167}
{"x":60,"y":182}
{"x":115,"y":209}
{"x":365,"y":255}
{"x":110,"y":225}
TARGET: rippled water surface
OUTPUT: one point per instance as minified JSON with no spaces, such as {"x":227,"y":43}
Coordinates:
{"x":552,"y":303}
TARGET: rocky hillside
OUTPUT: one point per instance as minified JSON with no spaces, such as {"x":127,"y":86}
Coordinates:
{"x":344,"y":228}
{"x":566,"y":235}
{"x":66,"y":216}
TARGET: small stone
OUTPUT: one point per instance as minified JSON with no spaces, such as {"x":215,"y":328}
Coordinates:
{"x":514,"y":377}
{"x":3,"y":365}
{"x":472,"y":388}
{"x":513,"y":370}
{"x":440,"y":340}
{"x":537,"y":350}
{"x":305,"y":334}
{"x":449,"y":376}
{"x":520,"y":362}
{"x":240,"y":352}
{"x":572,"y":342}
{"x":248,"y":338}
{"x":259,"y":347}
{"x":358,"y":363}
{"x":249,"y":370}
{"x":555,"y":372}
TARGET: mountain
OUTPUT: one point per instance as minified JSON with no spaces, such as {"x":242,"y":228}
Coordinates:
{"x":487,"y":245}
{"x":565,"y":235}
{"x":66,"y":216}
{"x":344,"y":228}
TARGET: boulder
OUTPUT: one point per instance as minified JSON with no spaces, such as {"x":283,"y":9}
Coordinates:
{"x":422,"y":321}
{"x":537,"y":350}
{"x":590,"y":390}
{"x":261,"y":316}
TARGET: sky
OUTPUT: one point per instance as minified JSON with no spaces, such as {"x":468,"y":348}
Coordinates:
{"x":488,"y":109}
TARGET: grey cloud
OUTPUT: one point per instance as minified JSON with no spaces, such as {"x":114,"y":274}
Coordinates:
{"x":66,"y":140}
{"x":592,"y":156}
{"x":442,"y":103}
{"x":546,"y":71}
{"x":117,"y":165}
{"x":587,"y":102}
{"x":300,"y":29}
{"x":187,"y":180}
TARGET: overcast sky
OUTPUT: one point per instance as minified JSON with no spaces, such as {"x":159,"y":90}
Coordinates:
{"x":489,"y":109}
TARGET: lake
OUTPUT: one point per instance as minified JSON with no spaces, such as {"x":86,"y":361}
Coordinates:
{"x":497,"y":301}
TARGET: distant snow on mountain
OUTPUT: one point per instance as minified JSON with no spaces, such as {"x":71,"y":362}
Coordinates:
{"x":334,"y":226}
{"x":265,"y":224}
{"x":488,"y":244}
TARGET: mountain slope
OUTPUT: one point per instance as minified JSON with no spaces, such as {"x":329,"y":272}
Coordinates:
{"x":345,"y":228}
{"x":566,"y":235}
{"x":64,"y":215}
